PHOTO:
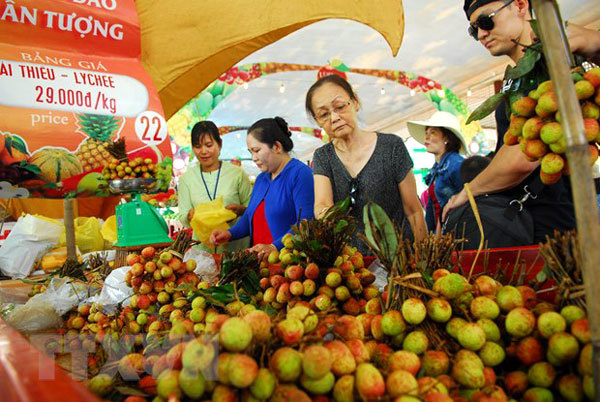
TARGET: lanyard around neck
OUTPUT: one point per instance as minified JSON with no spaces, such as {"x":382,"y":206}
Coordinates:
{"x":216,"y":184}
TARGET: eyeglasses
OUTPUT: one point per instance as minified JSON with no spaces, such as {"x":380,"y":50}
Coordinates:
{"x":324,"y":116}
{"x":353,"y":193}
{"x":485,"y":22}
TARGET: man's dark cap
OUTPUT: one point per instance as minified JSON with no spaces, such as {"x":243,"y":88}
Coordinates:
{"x":470,"y":6}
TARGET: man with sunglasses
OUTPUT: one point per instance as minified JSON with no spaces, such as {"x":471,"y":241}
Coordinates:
{"x":502,"y":27}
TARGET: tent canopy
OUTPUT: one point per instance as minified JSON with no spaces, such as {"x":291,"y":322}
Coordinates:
{"x":187,"y":44}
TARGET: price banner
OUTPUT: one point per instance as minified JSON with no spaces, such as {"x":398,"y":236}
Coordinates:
{"x":77,"y":109}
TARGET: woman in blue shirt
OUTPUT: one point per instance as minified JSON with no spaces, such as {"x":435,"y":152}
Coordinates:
{"x":442,"y":137}
{"x":283,"y":193}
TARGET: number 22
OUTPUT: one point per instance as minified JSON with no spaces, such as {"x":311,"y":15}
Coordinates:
{"x":155,"y":120}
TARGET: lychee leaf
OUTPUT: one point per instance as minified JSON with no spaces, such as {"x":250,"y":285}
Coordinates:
{"x":524,"y":65}
{"x":486,"y":108}
{"x":383,"y":224}
{"x":535,"y":27}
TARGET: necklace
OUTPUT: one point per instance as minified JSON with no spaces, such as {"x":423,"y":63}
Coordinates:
{"x":216,"y":184}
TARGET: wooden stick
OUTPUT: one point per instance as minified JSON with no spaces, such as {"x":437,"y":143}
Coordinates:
{"x":70,"y":229}
{"x":558,"y":57}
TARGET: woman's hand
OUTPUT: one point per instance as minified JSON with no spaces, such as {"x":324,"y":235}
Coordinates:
{"x":238,"y":209}
{"x":219,"y":237}
{"x":263,"y":251}
{"x":190,"y":214}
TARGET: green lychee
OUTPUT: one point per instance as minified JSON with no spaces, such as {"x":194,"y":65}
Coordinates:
{"x":413,"y":311}
{"x":286,"y":364}
{"x":392,"y":323}
{"x":451,"y":285}
{"x":570,"y":388}
{"x":435,"y":363}
{"x":316,"y":361}
{"x":508,"y":298}
{"x":548,"y":102}
{"x":167,"y":384}
{"x":454,"y":326}
{"x":572,"y":313}
{"x":191,"y":383}
{"x":563,"y":347}
{"x":468,"y":374}
{"x":492,"y":332}
{"x":471,"y":337}
{"x":524,"y":106}
{"x":584,"y":89}
{"x":532,"y":128}
{"x":405,"y":360}
{"x":552,"y":163}
{"x":318,"y":386}
{"x":584,"y":364}
{"x":541,"y":374}
{"x":550,"y":323}
{"x":401,"y":382}
{"x":416,"y":342}
{"x":235,"y":334}
{"x":242,"y":370}
{"x":369,"y":382}
{"x":439,"y":310}
{"x":492,"y":354}
{"x":101,"y":384}
{"x":537,"y":394}
{"x":343,"y":390}
{"x":484,"y":307}
{"x":465,"y":354}
{"x":264,"y":384}
{"x":519,"y":322}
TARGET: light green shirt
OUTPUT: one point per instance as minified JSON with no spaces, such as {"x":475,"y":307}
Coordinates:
{"x":234,"y":186}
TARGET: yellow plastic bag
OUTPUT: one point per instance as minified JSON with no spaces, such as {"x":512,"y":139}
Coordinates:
{"x":88,"y":236}
{"x":109,"y":230}
{"x":56,"y":258}
{"x":210,"y":216}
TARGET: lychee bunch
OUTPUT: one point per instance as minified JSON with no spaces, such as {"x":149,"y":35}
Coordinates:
{"x":535,"y":124}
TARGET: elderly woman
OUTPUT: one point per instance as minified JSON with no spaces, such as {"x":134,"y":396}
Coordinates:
{"x":442,"y":137}
{"x":363,"y":165}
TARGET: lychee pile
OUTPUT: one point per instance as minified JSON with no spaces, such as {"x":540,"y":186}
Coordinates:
{"x":331,"y":339}
{"x":347,"y":285}
{"x":535,"y":124}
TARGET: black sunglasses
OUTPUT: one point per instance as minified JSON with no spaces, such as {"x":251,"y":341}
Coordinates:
{"x":485,"y":22}
{"x":353,"y":192}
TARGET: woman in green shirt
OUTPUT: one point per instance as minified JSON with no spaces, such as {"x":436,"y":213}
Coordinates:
{"x":212,"y":178}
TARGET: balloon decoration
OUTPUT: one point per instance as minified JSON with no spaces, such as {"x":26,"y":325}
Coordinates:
{"x":200,"y":107}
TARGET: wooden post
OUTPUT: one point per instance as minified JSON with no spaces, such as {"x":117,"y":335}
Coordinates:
{"x":558,"y":56}
{"x":70,"y":229}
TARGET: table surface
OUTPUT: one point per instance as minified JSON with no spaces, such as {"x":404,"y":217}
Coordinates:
{"x":27,"y":374}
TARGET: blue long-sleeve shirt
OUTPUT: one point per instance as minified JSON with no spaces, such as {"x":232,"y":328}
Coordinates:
{"x":446,"y":174}
{"x":288,"y":199}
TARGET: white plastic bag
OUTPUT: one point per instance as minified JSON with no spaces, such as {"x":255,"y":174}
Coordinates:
{"x":36,"y":315}
{"x":31,"y":237}
{"x":44,"y":311}
{"x":381,"y":274}
{"x":206,"y":268}
{"x":114,"y":292}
